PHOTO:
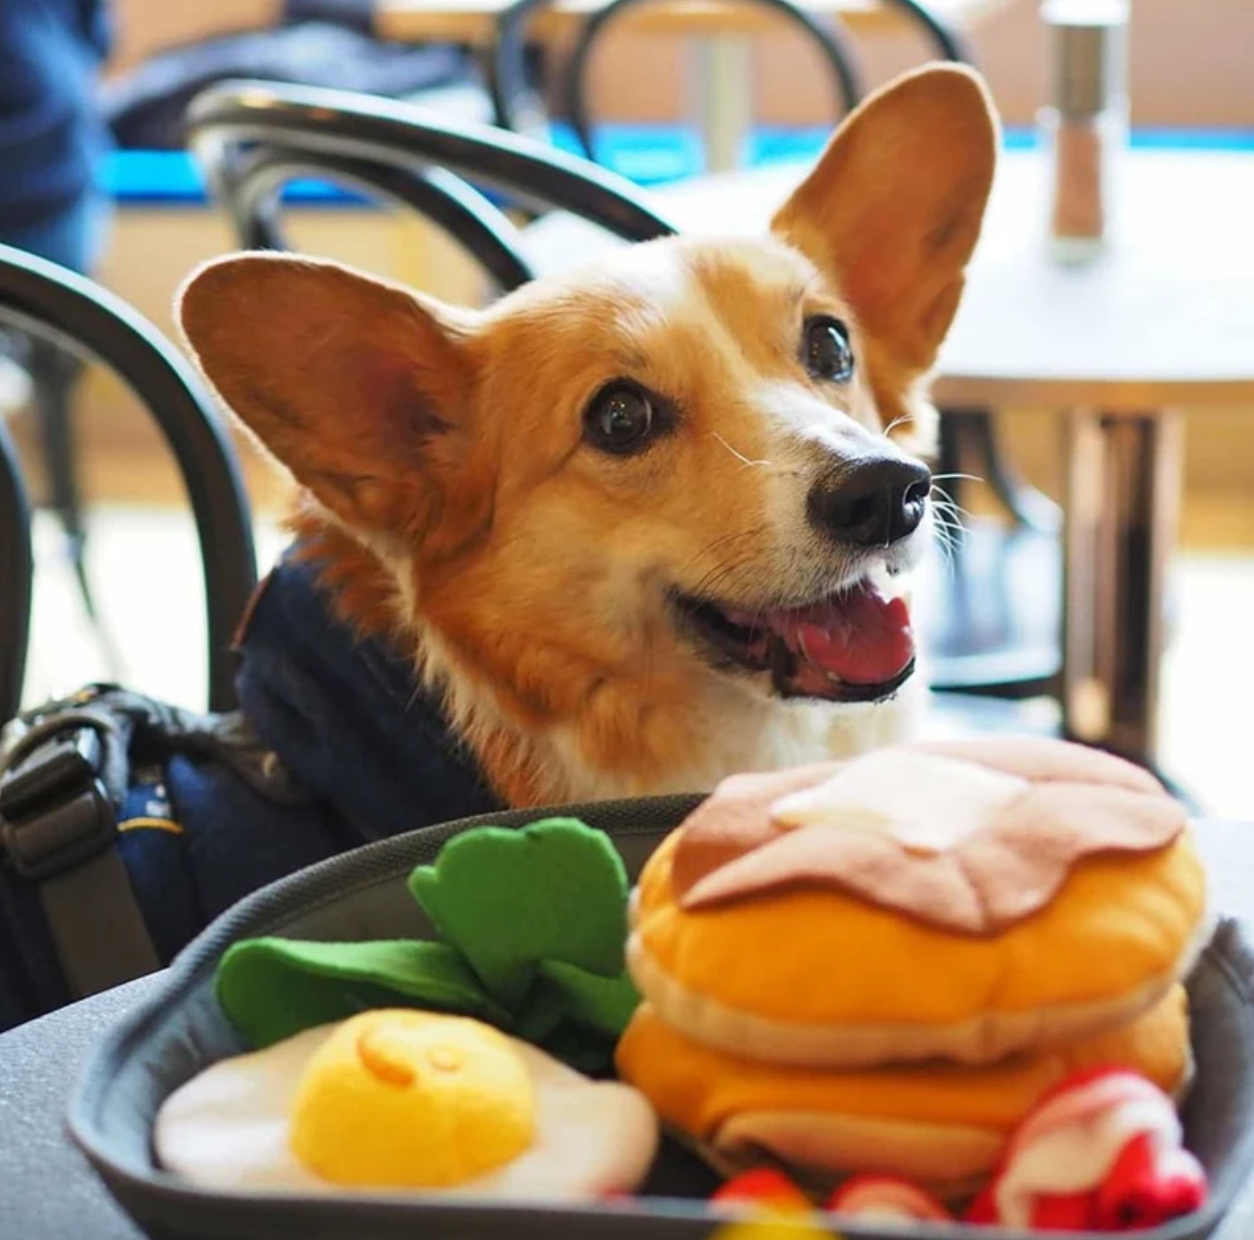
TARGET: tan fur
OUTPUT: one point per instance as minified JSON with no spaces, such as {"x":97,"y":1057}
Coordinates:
{"x":447,"y":484}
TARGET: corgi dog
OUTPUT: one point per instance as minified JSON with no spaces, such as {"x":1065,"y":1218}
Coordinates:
{"x":652,"y":522}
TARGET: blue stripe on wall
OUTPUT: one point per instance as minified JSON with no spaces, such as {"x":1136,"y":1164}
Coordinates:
{"x":646,"y":154}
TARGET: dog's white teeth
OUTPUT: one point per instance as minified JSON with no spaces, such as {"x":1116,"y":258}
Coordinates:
{"x":885,"y":578}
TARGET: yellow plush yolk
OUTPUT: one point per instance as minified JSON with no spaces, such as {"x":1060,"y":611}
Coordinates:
{"x":401,"y":1099}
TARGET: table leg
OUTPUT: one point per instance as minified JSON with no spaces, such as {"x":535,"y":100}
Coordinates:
{"x":724,"y":104}
{"x":1123,"y":491}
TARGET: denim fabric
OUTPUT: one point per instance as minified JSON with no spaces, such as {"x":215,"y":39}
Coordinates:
{"x":52,"y":132}
{"x":73,"y":238}
{"x":346,"y":715}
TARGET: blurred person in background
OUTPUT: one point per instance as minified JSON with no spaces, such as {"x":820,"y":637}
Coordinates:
{"x":52,"y":133}
{"x":53,"y":138}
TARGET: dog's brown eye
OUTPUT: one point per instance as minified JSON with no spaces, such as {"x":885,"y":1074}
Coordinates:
{"x":620,"y":419}
{"x":826,"y":350}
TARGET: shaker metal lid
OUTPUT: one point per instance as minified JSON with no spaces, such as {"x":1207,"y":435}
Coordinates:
{"x":1088,"y":53}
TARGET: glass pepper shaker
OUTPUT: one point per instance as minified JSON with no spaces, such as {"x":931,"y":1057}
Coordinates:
{"x":1085,"y":124}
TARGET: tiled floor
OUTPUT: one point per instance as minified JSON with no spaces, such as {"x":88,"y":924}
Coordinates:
{"x":145,"y":565}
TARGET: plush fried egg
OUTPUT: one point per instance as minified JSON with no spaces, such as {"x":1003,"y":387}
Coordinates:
{"x":407,"y":1101}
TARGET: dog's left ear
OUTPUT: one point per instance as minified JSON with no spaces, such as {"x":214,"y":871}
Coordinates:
{"x":358,"y":386}
{"x":893,"y":209}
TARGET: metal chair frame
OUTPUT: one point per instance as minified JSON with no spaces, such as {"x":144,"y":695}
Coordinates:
{"x":87,"y":320}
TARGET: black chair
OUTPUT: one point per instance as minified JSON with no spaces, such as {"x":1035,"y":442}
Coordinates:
{"x":253,"y":137}
{"x":514,"y":99}
{"x":17,"y":566}
{"x":56,"y":305}
{"x":835,"y":47}
{"x":54,"y":376}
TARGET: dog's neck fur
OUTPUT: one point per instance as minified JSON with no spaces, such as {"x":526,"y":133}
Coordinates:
{"x":731,"y":728}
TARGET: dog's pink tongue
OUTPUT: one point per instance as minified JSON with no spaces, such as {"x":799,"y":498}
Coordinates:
{"x":861,"y":637}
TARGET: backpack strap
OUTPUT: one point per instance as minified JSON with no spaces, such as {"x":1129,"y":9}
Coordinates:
{"x":65,"y":769}
{"x":58,"y":828}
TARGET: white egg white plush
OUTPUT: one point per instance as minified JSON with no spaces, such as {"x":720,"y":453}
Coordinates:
{"x":411,"y":1103}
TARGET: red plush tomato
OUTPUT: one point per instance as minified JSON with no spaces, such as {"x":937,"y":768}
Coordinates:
{"x":765,"y":1187}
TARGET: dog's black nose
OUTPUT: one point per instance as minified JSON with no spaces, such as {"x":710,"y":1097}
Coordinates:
{"x":871,"y":502}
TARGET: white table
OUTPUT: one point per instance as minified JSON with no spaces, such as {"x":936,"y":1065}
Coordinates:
{"x":1163,"y":322}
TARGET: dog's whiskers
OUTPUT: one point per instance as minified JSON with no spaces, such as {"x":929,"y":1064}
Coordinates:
{"x":948,"y":524}
{"x":719,"y":544}
{"x":947,"y":512}
{"x":942,"y":499}
{"x":709,"y":584}
{"x":947,"y":542}
{"x":740,"y":456}
{"x":963,"y":477}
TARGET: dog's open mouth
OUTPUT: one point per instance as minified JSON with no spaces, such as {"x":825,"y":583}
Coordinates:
{"x":853,"y":646}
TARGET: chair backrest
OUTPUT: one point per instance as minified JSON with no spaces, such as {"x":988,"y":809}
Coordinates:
{"x":16,"y":570}
{"x":79,"y":315}
{"x":508,"y":88}
{"x":507,"y":84}
{"x":251,"y":137}
{"x":252,"y":188}
{"x":950,"y":42}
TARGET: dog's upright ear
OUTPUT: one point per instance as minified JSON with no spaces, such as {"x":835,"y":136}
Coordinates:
{"x":358,"y":387}
{"x":893,"y":208}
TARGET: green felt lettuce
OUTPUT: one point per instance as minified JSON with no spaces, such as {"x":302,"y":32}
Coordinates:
{"x":533,"y":926}
{"x":509,"y":899}
{"x":273,"y":988}
{"x":605,"y":1004}
{"x":576,"y":1016}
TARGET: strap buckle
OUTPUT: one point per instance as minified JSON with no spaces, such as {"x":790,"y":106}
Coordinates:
{"x":54,"y":811}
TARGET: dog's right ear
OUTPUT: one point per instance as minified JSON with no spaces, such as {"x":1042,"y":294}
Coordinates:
{"x":359,"y":387}
{"x":893,"y":208}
